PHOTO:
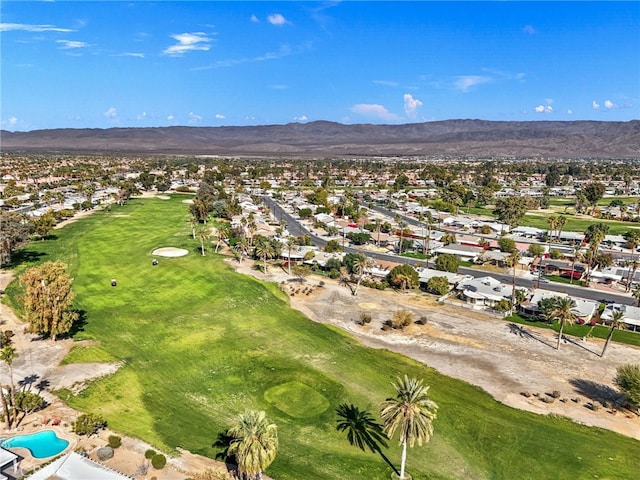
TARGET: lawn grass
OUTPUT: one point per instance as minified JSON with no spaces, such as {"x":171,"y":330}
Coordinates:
{"x":201,"y":344}
{"x":579,"y":331}
{"x":574,"y":224}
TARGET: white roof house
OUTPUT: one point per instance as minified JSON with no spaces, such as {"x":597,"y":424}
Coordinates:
{"x":484,"y":291}
{"x":74,"y":466}
{"x":425,"y":274}
{"x":463,"y":251}
{"x":631,"y":315}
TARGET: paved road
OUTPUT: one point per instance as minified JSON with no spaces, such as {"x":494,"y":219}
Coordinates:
{"x":296,"y":229}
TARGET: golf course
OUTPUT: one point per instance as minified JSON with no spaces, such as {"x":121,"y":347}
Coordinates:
{"x":199,"y":344}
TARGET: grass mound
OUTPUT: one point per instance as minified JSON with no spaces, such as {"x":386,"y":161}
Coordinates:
{"x":297,"y":399}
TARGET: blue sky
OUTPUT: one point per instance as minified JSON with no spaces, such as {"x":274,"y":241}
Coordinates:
{"x":146,"y":64}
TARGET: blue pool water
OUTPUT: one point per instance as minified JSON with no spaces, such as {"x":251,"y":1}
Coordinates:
{"x":41,"y":445}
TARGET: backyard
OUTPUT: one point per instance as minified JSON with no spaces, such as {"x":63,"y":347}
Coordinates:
{"x":200,"y":344}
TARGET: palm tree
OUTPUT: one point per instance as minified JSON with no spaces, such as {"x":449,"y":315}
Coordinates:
{"x":241,"y":247}
{"x":254,"y":443}
{"x":553,"y":226}
{"x":8,"y":354}
{"x":562,"y":311}
{"x":202,"y":233}
{"x":562,"y":220}
{"x":291,"y":245}
{"x":513,"y":259}
{"x":412,"y":413}
{"x":577,"y":255}
{"x":362,"y":430}
{"x":401,"y":226}
{"x":360,"y":265}
{"x":264,"y":249}
{"x":616,"y":323}
{"x":595,"y":233}
{"x":636,"y":293}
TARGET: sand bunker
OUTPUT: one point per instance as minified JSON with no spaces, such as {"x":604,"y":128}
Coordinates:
{"x":188,"y":201}
{"x":170,"y":252}
{"x":163,"y":197}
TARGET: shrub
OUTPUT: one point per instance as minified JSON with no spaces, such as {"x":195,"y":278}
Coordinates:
{"x":402,"y":319}
{"x":365,"y":318}
{"x":422,"y":320}
{"x":88,"y":424}
{"x":447,"y":262}
{"x":525,"y":394}
{"x":556,"y":394}
{"x":158,"y":461}
{"x":438,"y":285}
{"x":149,"y":454}
{"x":114,"y":441}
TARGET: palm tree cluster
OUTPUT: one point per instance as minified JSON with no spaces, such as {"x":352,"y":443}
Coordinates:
{"x":253,"y":443}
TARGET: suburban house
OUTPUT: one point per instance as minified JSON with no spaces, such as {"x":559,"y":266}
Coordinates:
{"x":631,"y":315}
{"x":584,"y":309}
{"x":9,"y":464}
{"x":463,"y":252}
{"x":425,"y":274}
{"x":484,"y":291}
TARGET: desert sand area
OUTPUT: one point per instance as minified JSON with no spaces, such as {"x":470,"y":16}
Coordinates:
{"x":504,"y":359}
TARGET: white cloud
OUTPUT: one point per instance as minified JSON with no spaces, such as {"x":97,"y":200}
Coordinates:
{"x":464,"y":83}
{"x":375,"y":111}
{"x":609,"y":104}
{"x":131,"y":54}
{"x":142,"y":116}
{"x":595,"y":105}
{"x":569,"y":112}
{"x":71,"y":44}
{"x":13,"y":121}
{"x":170,"y":117}
{"x":386,"y":83}
{"x":220,"y":116}
{"x":302,"y":118}
{"x":7,"y":27}
{"x":528,"y":29}
{"x":544,"y":109}
{"x":277,"y":19}
{"x":194,"y":118}
{"x":188,"y":42}
{"x":411,"y":105}
{"x":279,"y":86}
{"x":112,"y":113}
{"x":254,"y":19}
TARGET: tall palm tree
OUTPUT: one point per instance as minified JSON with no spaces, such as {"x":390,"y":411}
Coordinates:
{"x":562,"y":311}
{"x":291,"y":245}
{"x":241,"y":247}
{"x":577,"y":255}
{"x":412,"y":413}
{"x":616,"y":323}
{"x":595,"y":233}
{"x":360,"y":265}
{"x":202,"y":234}
{"x":264,"y":249}
{"x":553,"y":226}
{"x":636,"y":293}
{"x":562,"y":220}
{"x":8,"y":354}
{"x":513,"y":259}
{"x":254,"y":443}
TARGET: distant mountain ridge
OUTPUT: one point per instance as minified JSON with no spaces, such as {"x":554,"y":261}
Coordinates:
{"x":321,"y":138}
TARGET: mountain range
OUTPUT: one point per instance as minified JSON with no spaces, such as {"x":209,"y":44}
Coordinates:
{"x":474,"y":138}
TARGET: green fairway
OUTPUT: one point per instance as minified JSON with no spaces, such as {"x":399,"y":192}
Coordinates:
{"x":575,"y":224}
{"x":200,"y":344}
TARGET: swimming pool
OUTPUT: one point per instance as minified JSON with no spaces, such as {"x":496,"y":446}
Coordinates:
{"x":41,"y":445}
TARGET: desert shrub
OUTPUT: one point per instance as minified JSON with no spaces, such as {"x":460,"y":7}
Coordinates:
{"x":183,"y":189}
{"x":387,"y":325}
{"x":211,"y":474}
{"x":556,"y":394}
{"x":149,"y":454}
{"x":422,"y":320}
{"x":158,"y":461}
{"x":88,"y":424}
{"x":548,"y":399}
{"x":114,"y":441}
{"x":365,"y":318}
{"x":438,"y":285}
{"x":525,"y":394}
{"x":402,"y":319}
{"x":503,"y":305}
